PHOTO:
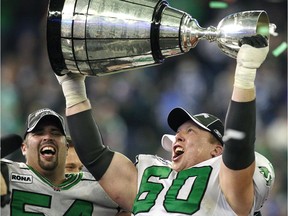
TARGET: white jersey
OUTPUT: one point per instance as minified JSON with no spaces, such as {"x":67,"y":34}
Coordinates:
{"x":194,"y":191}
{"x":80,"y":194}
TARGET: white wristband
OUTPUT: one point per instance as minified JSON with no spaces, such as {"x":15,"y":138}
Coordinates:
{"x":248,"y":60}
{"x":74,"y":91}
{"x":244,"y":77}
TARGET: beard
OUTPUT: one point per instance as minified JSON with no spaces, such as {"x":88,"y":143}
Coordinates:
{"x":48,"y":165}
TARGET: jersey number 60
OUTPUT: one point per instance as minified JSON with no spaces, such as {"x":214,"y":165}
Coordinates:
{"x":183,"y":196}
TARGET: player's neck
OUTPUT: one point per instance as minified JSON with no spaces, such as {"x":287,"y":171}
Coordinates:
{"x":52,"y":177}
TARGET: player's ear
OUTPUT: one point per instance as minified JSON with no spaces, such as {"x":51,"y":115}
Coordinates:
{"x":217,"y":150}
{"x":23,"y":148}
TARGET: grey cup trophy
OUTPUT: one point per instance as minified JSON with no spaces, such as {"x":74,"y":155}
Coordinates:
{"x":102,"y":37}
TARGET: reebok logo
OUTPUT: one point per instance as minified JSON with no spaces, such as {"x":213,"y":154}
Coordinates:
{"x":26,"y":179}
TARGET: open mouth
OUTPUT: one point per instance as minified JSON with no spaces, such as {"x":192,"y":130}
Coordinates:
{"x":48,"y":150}
{"x":178,"y":151}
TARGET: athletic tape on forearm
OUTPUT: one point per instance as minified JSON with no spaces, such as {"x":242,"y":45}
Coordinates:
{"x":244,"y":77}
{"x":74,"y":91}
{"x":240,"y":129}
{"x":248,"y":60}
{"x":88,"y":143}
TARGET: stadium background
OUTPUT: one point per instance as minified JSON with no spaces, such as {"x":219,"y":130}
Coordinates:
{"x":131,"y":107}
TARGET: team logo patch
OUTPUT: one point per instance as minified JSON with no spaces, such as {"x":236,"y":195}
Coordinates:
{"x":218,"y":133}
{"x":26,"y":179}
{"x":266,"y":174}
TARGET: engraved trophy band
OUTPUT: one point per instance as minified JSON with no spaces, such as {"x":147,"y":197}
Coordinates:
{"x":102,"y":37}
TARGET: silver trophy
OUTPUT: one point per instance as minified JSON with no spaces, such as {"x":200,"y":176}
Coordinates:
{"x":102,"y":37}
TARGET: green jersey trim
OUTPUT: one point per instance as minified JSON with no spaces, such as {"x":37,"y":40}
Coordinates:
{"x":71,"y":179}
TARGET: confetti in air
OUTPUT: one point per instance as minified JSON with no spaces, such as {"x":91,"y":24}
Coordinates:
{"x":218,"y":4}
{"x":280,"y":49}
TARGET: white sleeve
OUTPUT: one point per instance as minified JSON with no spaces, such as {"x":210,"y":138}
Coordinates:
{"x":264,"y":177}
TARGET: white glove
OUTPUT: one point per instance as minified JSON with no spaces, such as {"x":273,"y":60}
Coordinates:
{"x":73,"y":86}
{"x":249,"y":59}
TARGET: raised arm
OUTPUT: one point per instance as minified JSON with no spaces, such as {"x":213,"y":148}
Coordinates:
{"x":115,"y":172}
{"x":238,"y":165}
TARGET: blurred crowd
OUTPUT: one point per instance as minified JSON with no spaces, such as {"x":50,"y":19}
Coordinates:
{"x":131,"y":107}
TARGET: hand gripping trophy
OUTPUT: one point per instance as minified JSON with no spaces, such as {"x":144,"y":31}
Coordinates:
{"x":99,"y":37}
